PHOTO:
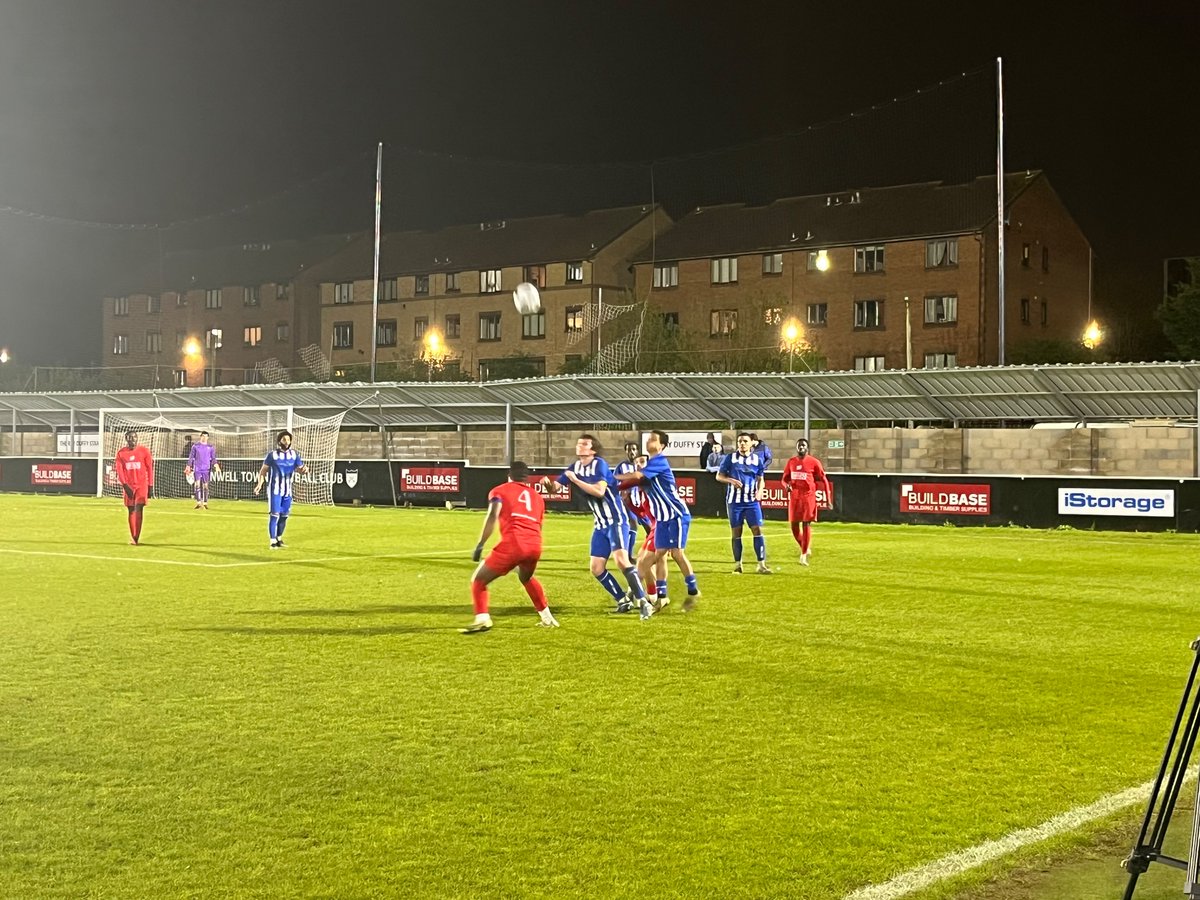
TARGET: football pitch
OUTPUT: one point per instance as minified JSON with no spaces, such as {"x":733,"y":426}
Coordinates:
{"x":201,"y":716}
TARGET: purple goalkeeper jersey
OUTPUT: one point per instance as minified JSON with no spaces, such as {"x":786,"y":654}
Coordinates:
{"x":202,"y":457}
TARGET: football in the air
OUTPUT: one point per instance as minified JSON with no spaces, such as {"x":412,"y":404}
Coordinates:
{"x":527,"y":299}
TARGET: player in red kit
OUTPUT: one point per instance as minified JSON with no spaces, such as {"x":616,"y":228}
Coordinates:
{"x":135,"y":473}
{"x":803,"y":476}
{"x":519,"y":509}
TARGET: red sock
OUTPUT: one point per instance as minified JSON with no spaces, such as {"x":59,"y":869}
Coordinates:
{"x":652,"y":588}
{"x":533,"y":588}
{"x":479,"y":595}
{"x":132,"y":527}
{"x":805,"y":537}
{"x":796,"y":533}
{"x":137,"y":524}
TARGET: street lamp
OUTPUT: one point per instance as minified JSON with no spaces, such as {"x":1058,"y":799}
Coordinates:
{"x":792,"y":337}
{"x":822,"y":261}
{"x":4,"y":355}
{"x":435,"y":350}
{"x":1093,"y":335}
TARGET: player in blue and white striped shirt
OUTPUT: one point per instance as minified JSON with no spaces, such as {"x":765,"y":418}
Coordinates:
{"x":632,"y":497}
{"x":742,"y":472}
{"x":591,"y":475}
{"x":278,"y":469}
{"x":671,"y":521}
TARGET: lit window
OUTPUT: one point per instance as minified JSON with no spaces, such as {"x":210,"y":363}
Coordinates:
{"x":120,"y":344}
{"x":489,"y":281}
{"x":666,"y":275}
{"x":574,"y":273}
{"x":212,"y":298}
{"x":941,"y":253}
{"x":722,"y":322}
{"x":251,"y":335}
{"x":724,"y":270}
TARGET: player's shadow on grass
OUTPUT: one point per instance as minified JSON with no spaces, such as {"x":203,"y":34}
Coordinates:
{"x":407,"y":609}
{"x":297,"y":631}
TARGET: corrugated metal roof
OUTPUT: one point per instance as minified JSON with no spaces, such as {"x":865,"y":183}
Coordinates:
{"x":1067,"y":393}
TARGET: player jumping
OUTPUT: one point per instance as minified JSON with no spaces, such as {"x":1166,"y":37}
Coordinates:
{"x":519,"y":508}
{"x":672,"y":521}
{"x":281,"y":464}
{"x":610,"y":536}
{"x":135,"y":473}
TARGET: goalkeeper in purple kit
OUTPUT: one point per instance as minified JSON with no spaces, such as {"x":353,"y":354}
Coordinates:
{"x":201,"y":464}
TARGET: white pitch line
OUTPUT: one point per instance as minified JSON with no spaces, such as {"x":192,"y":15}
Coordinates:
{"x":965,"y":860}
{"x":129,"y":559}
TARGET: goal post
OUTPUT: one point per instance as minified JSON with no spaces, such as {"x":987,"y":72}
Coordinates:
{"x":241,"y":435}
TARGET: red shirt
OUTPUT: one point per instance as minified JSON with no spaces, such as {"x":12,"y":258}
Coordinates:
{"x":521,"y":512}
{"x":135,"y":467}
{"x":800,"y":476}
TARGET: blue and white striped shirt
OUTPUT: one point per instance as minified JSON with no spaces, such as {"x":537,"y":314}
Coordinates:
{"x":607,"y":510}
{"x":747,"y":469}
{"x":634,"y":493}
{"x":659,"y":485}
{"x":281,"y":466}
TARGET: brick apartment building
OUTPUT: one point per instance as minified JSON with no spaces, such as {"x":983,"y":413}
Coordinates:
{"x":875,"y":277}
{"x":242,"y":305}
{"x":457,"y":282}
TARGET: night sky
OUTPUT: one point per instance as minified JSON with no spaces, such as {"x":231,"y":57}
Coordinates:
{"x":137,"y":112}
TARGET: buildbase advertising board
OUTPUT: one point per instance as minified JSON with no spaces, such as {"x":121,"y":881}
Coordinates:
{"x":429,"y":480}
{"x":777,"y":497}
{"x":43,"y":474}
{"x":946,"y":499}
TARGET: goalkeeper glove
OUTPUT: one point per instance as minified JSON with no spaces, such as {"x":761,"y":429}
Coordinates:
{"x":478,"y":553}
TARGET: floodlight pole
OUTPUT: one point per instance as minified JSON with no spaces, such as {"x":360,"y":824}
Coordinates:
{"x":375,"y":282}
{"x":1000,"y":202}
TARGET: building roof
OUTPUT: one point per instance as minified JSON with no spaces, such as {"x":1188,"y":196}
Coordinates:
{"x":486,"y":245}
{"x":825,"y":220}
{"x":1052,"y":393}
{"x":274,"y":262}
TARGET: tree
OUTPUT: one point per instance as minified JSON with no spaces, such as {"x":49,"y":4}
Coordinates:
{"x":1179,"y":312}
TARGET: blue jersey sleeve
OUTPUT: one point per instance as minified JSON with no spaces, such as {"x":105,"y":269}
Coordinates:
{"x":562,"y":478}
{"x":267,"y":461}
{"x":655,"y":466}
{"x":604,"y":474}
{"x":726,"y":466}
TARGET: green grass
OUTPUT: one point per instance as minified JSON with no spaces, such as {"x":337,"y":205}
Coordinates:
{"x":199,"y":716}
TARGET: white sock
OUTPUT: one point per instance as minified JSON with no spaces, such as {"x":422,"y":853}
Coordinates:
{"x":483,"y":619}
{"x":546,"y":615}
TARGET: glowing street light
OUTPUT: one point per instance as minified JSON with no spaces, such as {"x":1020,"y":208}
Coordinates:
{"x":435,"y":350}
{"x":791,"y":340}
{"x":1093,"y":335}
{"x":822,"y":261}
{"x":4,"y":355}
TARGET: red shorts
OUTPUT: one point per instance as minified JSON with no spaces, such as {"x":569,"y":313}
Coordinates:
{"x":802,"y":507}
{"x":507,"y":555}
{"x":137,"y":498}
{"x":648,"y":543}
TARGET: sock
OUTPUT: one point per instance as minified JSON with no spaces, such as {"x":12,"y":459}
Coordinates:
{"x":760,"y":547}
{"x":635,"y":583}
{"x":132,"y":527}
{"x":737,"y":549}
{"x":272,"y":523}
{"x":609,"y":583}
{"x":796,"y":532}
{"x":479,"y":596}
{"x":137,"y":525}
{"x":280,"y":527}
{"x":534,"y":589}
{"x":651,"y":588}
{"x":690,"y":581}
{"x":662,"y":588}
{"x":805,"y":537}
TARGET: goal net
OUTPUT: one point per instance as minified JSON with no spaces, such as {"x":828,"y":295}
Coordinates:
{"x":242,"y":436}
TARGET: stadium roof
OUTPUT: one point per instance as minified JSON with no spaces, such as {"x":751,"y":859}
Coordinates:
{"x":929,"y":209}
{"x":1063,"y":393}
